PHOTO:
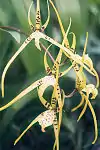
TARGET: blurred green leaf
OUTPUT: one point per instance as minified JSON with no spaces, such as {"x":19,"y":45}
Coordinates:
{"x":4,"y":18}
{"x":14,"y":34}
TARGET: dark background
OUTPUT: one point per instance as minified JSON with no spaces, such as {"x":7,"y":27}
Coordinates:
{"x":29,"y":67}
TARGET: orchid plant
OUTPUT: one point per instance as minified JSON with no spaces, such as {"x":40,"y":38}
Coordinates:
{"x":37,"y":35}
{"x":78,"y":63}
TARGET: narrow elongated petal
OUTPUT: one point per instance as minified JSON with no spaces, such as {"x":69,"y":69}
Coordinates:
{"x":29,"y":18}
{"x":59,"y":125}
{"x":56,"y":131}
{"x":26,"y":42}
{"x":31,"y":124}
{"x":53,"y":100}
{"x":47,"y":67}
{"x":60,"y":22}
{"x":66,"y":71}
{"x":85,"y":46}
{"x":57,"y":93}
{"x":84,"y":51}
{"x":71,"y":94}
{"x":27,"y":90}
{"x":38,"y":16}
{"x":59,"y":56}
{"x":97,"y":78}
{"x":79,"y":105}
{"x":73,"y":46}
{"x":82,"y":112}
{"x":47,"y":21}
{"x":60,"y":109}
{"x":94,"y":119}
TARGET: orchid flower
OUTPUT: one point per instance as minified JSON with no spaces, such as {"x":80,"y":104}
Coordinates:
{"x":34,"y":36}
{"x":47,"y":118}
{"x":37,"y":35}
{"x":43,"y":82}
{"x":82,"y":87}
{"x":87,"y":60}
{"x":81,"y":78}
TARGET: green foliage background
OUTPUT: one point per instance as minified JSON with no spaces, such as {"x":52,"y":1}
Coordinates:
{"x":28,"y":67}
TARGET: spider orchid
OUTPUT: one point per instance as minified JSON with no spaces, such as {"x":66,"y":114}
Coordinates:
{"x":34,"y":36}
{"x":43,"y":82}
{"x":87,"y":60}
{"x":81,"y":85}
{"x":37,"y":35}
{"x":46,"y":119}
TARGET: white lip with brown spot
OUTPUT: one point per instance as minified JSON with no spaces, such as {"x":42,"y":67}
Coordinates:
{"x":46,"y":119}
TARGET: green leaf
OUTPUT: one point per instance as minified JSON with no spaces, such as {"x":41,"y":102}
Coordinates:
{"x":14,"y":34}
